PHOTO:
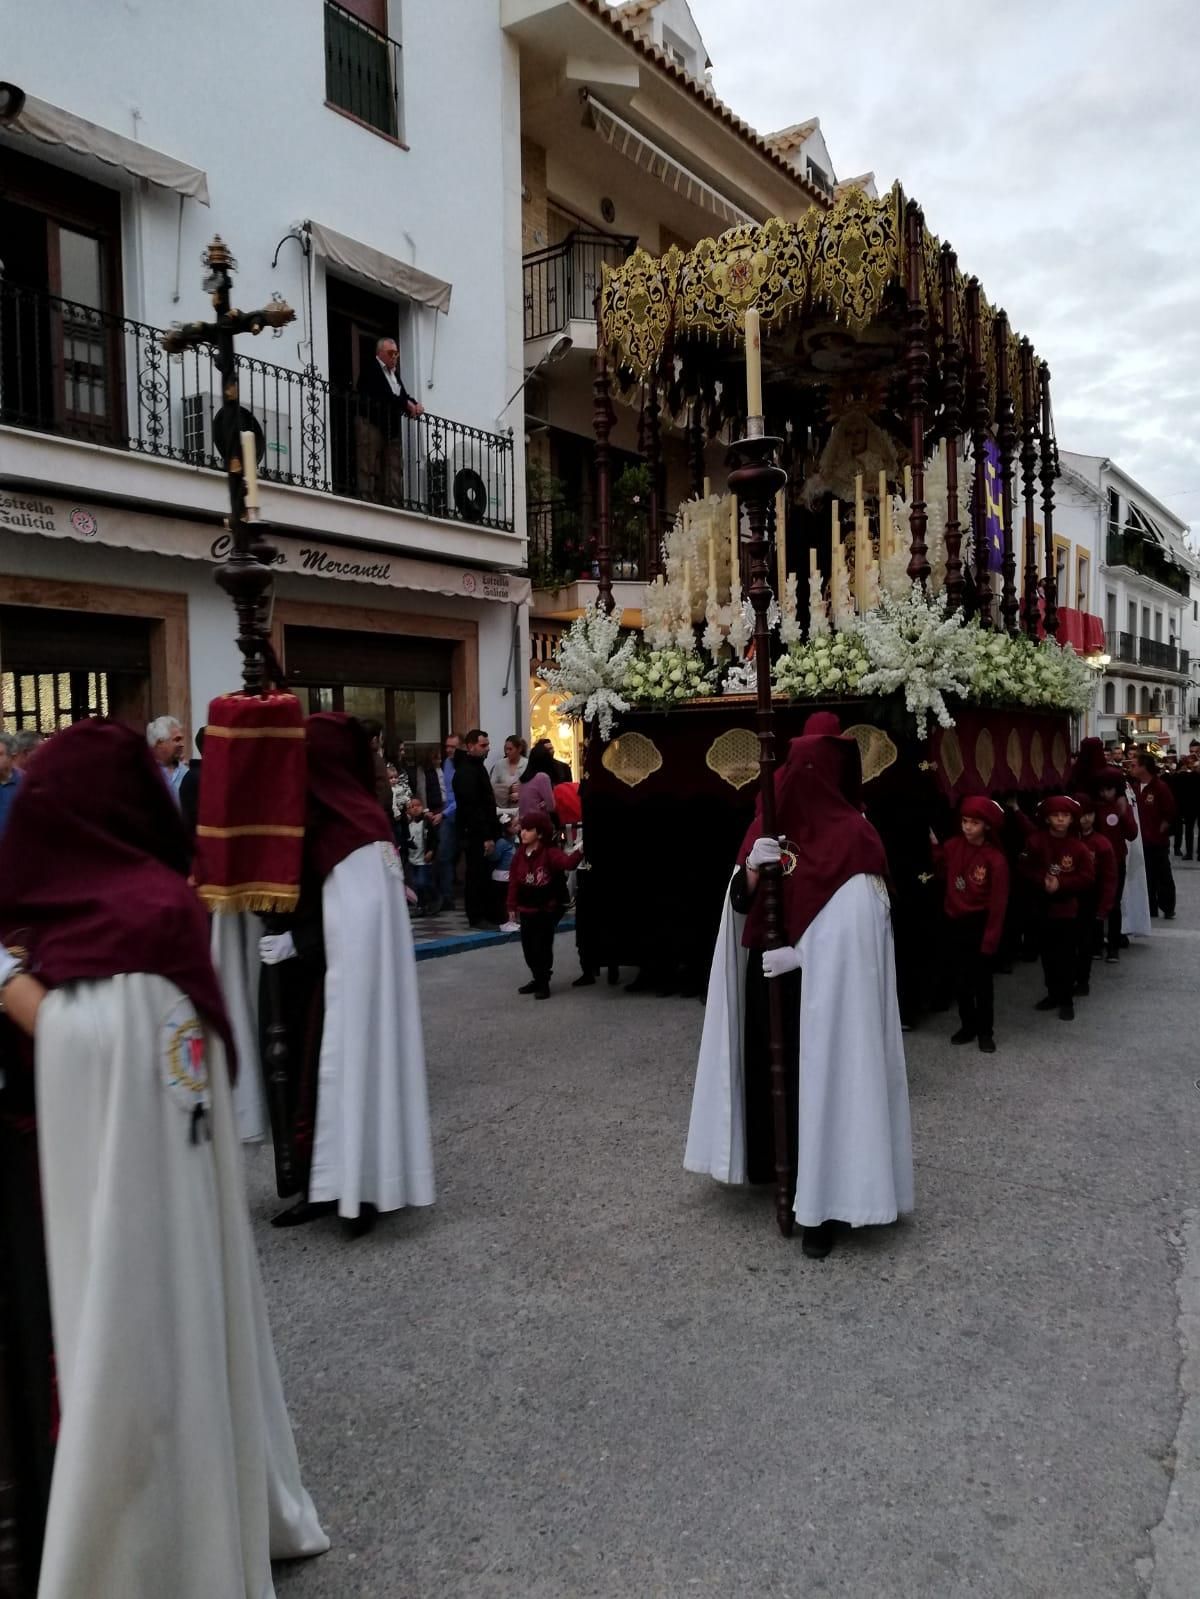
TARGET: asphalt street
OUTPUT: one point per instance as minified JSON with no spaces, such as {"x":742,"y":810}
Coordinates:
{"x":585,"y":1372}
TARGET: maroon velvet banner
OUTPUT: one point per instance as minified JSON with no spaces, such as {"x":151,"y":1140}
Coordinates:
{"x":989,"y":751}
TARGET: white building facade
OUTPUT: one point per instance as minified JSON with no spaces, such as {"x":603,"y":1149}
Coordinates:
{"x":363,"y":162}
{"x":1123,"y":555}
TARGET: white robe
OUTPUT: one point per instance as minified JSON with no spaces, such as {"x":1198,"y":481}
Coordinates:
{"x":234,"y":948}
{"x":1135,"y":900}
{"x":175,"y":1472}
{"x":372,"y":1143}
{"x":855,"y":1142}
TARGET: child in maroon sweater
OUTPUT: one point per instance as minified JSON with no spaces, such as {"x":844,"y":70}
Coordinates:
{"x":1095,"y":903}
{"x":537,"y":897}
{"x":1116,"y":821}
{"x":976,"y":875}
{"x":1058,"y":864}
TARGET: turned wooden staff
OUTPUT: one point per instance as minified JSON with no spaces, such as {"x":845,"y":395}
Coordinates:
{"x":916,"y":361}
{"x":1006,"y":439}
{"x":247,"y":578}
{"x":1029,"y":422}
{"x":756,"y":479}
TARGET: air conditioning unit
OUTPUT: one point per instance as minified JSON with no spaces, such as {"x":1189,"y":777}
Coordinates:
{"x":193,"y":431}
{"x":1126,"y":727}
{"x":466,"y":479}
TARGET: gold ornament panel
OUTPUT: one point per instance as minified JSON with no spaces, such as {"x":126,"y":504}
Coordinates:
{"x":876,"y":750}
{"x":985,"y":754}
{"x":1014,"y":754}
{"x":1037,"y":755}
{"x":951,"y":757}
{"x":733,"y":756}
{"x":632,"y":758}
{"x":1059,"y":754}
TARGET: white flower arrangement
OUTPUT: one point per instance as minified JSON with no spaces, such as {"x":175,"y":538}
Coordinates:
{"x":915,"y":646}
{"x":1015,"y":671}
{"x":830,"y":664}
{"x":665,"y":677}
{"x":590,"y":668}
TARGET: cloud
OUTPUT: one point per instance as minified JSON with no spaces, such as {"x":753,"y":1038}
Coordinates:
{"x":1054,"y":146}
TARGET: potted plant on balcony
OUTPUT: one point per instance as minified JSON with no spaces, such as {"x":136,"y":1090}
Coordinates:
{"x":630,"y":506}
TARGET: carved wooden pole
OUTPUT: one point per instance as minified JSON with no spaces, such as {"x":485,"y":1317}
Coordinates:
{"x":978,"y":406}
{"x":602,"y":425}
{"x":952,"y":390}
{"x":1029,"y":484}
{"x":755,"y":480}
{"x":1048,"y":465}
{"x":696,"y":442}
{"x":917,"y":362}
{"x":1006,"y":438}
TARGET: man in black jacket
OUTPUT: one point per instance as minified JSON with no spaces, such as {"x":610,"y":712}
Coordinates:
{"x":478,"y":824}
{"x":383,"y":403}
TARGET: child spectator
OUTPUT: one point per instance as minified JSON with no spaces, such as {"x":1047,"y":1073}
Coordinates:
{"x":976,"y":875}
{"x":418,"y":855}
{"x":1060,"y":867}
{"x":1096,"y":902}
{"x":537,"y":897}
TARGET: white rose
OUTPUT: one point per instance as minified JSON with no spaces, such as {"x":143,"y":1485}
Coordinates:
{"x":676,"y":676}
{"x":810,"y":679}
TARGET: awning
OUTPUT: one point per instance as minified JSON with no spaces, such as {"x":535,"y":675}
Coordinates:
{"x":362,"y":261}
{"x":634,"y":146}
{"x":323,"y":562}
{"x":52,"y":125}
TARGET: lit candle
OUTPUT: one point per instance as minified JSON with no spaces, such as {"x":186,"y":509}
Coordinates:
{"x":860,"y":544}
{"x":687,"y":588}
{"x":885,"y":543}
{"x":735,"y":564}
{"x":712,"y":567}
{"x":835,"y":523}
{"x":812,"y":563}
{"x":707,"y":487}
{"x":780,"y":545}
{"x":250,"y":469}
{"x":754,"y":403}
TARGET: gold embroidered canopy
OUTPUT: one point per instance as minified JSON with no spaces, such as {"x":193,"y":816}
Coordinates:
{"x":831,"y":290}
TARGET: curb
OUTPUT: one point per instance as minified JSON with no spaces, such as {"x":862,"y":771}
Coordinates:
{"x":486,"y":938}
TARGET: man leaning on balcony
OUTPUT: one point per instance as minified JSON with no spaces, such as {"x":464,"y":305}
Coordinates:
{"x":383,"y":404}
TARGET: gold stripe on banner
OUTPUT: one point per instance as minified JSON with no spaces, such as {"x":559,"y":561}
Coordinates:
{"x":250,"y":830}
{"x":251,"y":897}
{"x":253,"y":732}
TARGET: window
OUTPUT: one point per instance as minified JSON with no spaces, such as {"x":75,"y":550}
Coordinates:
{"x":1170,"y":702}
{"x":362,"y":64}
{"x":1158,"y":626}
{"x":1110,"y":612}
{"x":1110,"y":699}
{"x":1145,"y":621}
{"x":1114,"y":511}
{"x":1145,"y":700}
{"x":1131,"y":618}
{"x":356,"y":320}
{"x":1060,"y":572}
{"x":1081,"y":582}
{"x":1130,"y":700}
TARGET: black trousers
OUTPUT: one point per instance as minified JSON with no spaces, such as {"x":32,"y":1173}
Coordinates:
{"x":972,"y":974}
{"x":1185,"y":835}
{"x":1087,"y":932}
{"x":1160,"y":881}
{"x":537,"y":943}
{"x":1059,"y":938}
{"x":477,"y":882}
{"x":1113,"y":935}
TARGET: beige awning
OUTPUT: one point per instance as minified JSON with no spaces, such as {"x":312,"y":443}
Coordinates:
{"x":362,"y":261}
{"x":634,"y":146}
{"x":52,"y":125}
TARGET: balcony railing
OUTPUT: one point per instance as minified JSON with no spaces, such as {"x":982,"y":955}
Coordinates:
{"x":561,"y":283}
{"x":362,"y":70}
{"x":1134,"y":550}
{"x":84,"y":374}
{"x":562,"y":552}
{"x":1147,"y":652}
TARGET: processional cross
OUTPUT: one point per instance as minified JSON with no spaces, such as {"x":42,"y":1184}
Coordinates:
{"x":246,"y":575}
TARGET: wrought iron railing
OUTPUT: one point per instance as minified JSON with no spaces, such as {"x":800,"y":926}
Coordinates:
{"x":1153,"y":652}
{"x":85,"y":374}
{"x":1122,"y":647}
{"x":362,"y":70}
{"x":562,"y":552}
{"x":561,"y":283}
{"x":1133,"y":549}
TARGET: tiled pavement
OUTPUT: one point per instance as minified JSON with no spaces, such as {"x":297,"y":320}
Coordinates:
{"x":449,"y":933}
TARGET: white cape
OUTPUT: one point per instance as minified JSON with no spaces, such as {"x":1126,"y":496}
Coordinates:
{"x":373,"y":1143}
{"x":1135,"y":901}
{"x":175,"y":1472}
{"x":855,"y":1141}
{"x":234,"y":949}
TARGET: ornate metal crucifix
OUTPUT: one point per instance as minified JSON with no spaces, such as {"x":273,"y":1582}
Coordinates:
{"x":246,"y":575}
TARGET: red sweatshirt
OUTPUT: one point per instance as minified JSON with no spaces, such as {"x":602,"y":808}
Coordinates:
{"x":1120,"y":828}
{"x":535,"y":879}
{"x":1105,"y":861}
{"x":976,"y":883}
{"x":1156,"y":810}
{"x":1068,"y":859}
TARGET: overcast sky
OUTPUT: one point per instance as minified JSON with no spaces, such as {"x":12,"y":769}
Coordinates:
{"x":1055,"y":144}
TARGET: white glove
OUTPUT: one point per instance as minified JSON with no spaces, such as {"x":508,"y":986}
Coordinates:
{"x":778,"y":961}
{"x":763,"y":852}
{"x":276,"y":947}
{"x":9,"y":966}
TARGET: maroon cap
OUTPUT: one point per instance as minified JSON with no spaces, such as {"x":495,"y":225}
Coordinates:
{"x":823,"y":724}
{"x":1059,"y":805}
{"x":1085,"y":802}
{"x":983,"y":809}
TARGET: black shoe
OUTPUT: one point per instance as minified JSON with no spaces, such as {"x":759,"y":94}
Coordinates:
{"x":1112,"y":960}
{"x":584,"y":980}
{"x":1168,"y":916}
{"x":641,"y":984}
{"x":816,"y":1242}
{"x":359,"y":1226}
{"x":302,"y":1211}
{"x":1066,"y":1013}
{"x":1046,"y":1004}
{"x":542,"y":991}
{"x":1082,"y":990}
{"x":527,"y":988}
{"x":965,"y":1035}
{"x":1123,"y":941}
{"x":987,"y":1044}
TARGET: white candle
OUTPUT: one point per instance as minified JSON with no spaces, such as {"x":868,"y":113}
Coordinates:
{"x":885,"y":547}
{"x":780,"y":545}
{"x":712,"y":567}
{"x":250,"y":469}
{"x":812,"y":563}
{"x":754,"y":402}
{"x":687,"y":589}
{"x":707,"y":487}
{"x":735,"y":564}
